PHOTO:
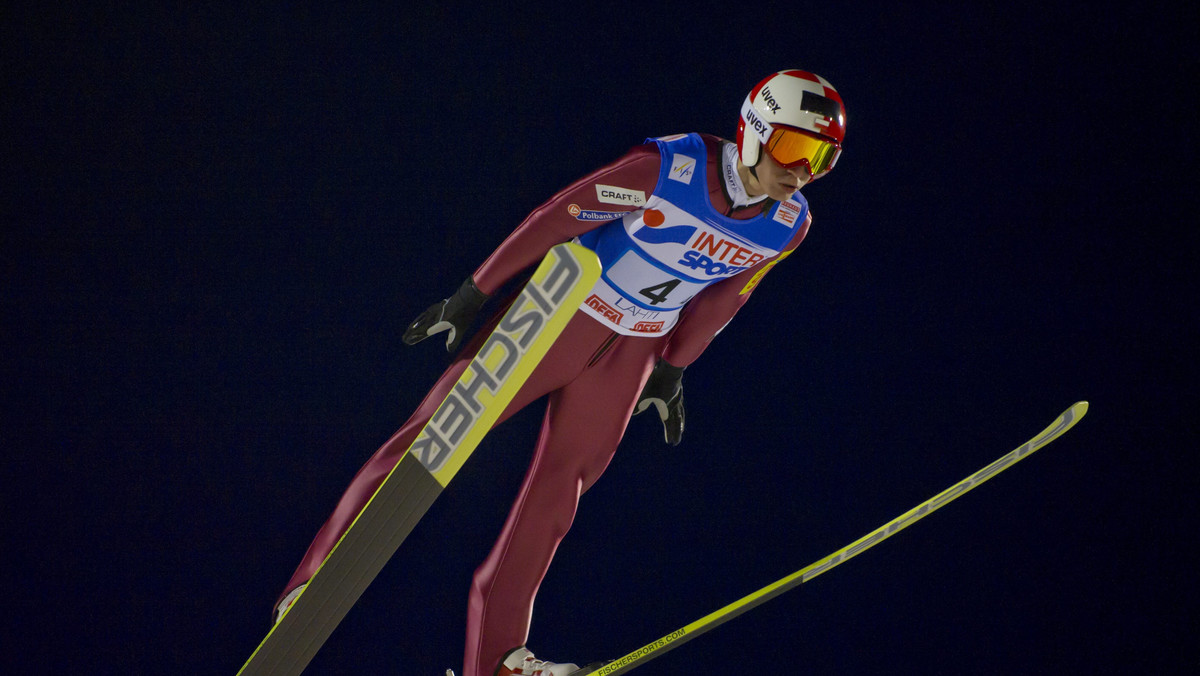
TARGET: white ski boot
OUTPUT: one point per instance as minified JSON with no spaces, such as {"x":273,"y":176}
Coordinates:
{"x":286,"y":604}
{"x":521,"y":662}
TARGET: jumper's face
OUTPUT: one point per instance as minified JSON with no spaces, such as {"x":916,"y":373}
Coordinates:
{"x":778,"y":183}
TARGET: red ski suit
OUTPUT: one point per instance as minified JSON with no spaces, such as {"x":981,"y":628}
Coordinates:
{"x":593,"y":377}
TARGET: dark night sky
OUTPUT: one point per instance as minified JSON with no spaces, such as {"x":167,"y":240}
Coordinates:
{"x":216,"y":224}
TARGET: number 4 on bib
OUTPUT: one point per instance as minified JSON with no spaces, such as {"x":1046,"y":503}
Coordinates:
{"x":659,"y":292}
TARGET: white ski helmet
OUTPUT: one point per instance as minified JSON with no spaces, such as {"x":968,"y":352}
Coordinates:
{"x":798,"y":117}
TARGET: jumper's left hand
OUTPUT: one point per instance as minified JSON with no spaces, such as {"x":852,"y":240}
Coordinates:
{"x":664,"y":391}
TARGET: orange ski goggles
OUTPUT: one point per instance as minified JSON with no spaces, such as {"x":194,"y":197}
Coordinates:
{"x":793,"y":148}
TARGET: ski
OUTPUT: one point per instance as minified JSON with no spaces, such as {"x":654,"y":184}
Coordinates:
{"x":677,"y":638}
{"x":491,"y":380}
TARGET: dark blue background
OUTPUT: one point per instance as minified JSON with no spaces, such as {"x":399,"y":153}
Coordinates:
{"x":217,"y":222}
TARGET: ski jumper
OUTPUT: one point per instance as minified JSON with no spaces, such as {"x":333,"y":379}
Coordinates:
{"x":681,"y":252}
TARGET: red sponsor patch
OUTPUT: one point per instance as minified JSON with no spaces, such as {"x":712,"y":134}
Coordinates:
{"x":787,"y":213}
{"x":653,"y":218}
{"x":609,"y":312}
{"x":648,"y":327}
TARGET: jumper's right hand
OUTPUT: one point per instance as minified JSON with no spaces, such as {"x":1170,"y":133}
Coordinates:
{"x":664,"y":392}
{"x":454,"y":315}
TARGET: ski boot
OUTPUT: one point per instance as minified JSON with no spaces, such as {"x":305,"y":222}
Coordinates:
{"x":286,"y":604}
{"x":521,"y":662}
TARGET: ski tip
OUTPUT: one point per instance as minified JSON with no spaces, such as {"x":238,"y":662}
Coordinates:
{"x":1072,"y":415}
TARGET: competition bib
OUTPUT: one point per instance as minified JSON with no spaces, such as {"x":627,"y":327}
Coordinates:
{"x":659,"y":257}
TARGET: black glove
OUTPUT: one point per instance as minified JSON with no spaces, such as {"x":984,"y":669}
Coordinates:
{"x":455,"y":314}
{"x":664,"y":391}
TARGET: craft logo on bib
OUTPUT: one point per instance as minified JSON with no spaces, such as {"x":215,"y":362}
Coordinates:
{"x":611,"y":194}
{"x":683,"y":168}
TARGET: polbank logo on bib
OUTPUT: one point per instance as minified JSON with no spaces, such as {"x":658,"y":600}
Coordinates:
{"x":591,"y":215}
